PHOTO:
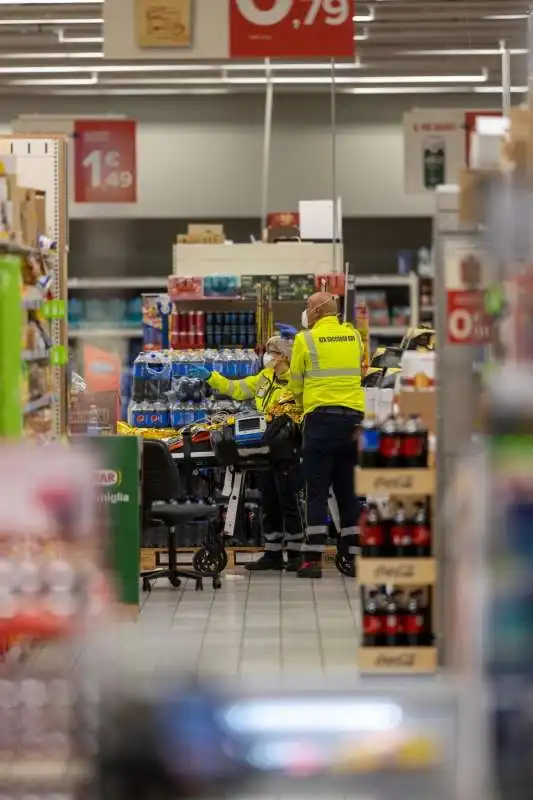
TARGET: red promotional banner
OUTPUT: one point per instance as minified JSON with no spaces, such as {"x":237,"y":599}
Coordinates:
{"x":291,"y":28}
{"x":105,"y":162}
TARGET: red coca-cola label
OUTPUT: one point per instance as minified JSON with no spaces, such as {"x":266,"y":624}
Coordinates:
{"x":412,"y":446}
{"x":421,"y":535}
{"x":392,"y":624}
{"x":400,"y":534}
{"x":372,"y":624}
{"x":389,"y":446}
{"x":414,"y":624}
{"x":373,"y":535}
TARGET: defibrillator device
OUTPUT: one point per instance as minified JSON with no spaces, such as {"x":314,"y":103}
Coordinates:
{"x":249,"y":428}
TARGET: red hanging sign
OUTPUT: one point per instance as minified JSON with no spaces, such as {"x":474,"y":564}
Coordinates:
{"x":467,"y":321}
{"x":291,"y":28}
{"x":105,"y":161}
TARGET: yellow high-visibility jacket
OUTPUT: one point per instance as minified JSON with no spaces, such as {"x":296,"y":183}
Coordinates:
{"x":326,"y":366}
{"x":267,"y":388}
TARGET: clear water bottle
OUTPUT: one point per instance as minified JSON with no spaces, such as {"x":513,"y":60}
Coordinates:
{"x":176,"y":416}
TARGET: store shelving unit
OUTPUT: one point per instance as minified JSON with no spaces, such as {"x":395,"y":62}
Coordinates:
{"x":151,"y":283}
{"x":398,"y":572}
{"x":41,"y":163}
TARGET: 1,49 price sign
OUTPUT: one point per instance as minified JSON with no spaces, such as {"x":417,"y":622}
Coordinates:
{"x":291,"y":28}
{"x":105,"y":163}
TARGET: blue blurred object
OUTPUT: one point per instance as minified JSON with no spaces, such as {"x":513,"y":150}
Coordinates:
{"x":286,"y":331}
{"x":201,"y":373}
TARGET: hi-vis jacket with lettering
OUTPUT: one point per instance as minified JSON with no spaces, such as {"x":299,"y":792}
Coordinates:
{"x":265,"y":387}
{"x":326,"y":366}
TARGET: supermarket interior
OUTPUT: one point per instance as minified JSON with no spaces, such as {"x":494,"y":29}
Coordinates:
{"x":265,"y":399}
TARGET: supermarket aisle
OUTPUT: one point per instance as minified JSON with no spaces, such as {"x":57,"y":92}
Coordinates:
{"x":273,"y":624}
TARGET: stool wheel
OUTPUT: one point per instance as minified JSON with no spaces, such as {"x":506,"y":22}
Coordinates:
{"x":147,"y":586}
{"x":174,"y":580}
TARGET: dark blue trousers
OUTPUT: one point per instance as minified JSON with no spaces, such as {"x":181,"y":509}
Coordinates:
{"x":329,"y":459}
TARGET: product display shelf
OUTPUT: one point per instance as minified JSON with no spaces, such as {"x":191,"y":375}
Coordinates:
{"x":238,"y":555}
{"x":398,"y":572}
{"x":41,"y":163}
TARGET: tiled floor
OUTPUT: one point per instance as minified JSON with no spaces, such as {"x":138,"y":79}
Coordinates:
{"x":256,"y":624}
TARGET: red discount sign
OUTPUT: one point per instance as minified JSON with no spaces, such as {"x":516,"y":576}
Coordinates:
{"x":291,"y":28}
{"x":467,"y":320}
{"x":105,"y":164}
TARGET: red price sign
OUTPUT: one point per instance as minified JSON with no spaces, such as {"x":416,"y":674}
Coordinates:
{"x":105,"y":164}
{"x":467,"y":320}
{"x":291,"y":28}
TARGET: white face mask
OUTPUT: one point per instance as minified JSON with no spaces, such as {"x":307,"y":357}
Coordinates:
{"x":268,"y":360}
{"x":305,"y":319}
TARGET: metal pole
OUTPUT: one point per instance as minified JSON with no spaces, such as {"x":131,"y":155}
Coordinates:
{"x":506,"y":80}
{"x":333,"y":122}
{"x":267,"y":139}
{"x":530,"y":45}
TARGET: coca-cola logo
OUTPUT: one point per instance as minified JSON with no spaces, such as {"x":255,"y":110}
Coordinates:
{"x":399,"y":483}
{"x":403,"y":571}
{"x":404,"y":660}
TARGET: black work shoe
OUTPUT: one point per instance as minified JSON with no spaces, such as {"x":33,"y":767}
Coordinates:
{"x":294,"y":562}
{"x":268,"y":561}
{"x":310,"y":569}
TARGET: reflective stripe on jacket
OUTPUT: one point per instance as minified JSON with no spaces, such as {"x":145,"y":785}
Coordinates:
{"x":326,"y":366}
{"x":265,"y":387}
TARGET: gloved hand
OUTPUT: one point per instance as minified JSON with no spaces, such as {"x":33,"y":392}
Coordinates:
{"x":199,"y":372}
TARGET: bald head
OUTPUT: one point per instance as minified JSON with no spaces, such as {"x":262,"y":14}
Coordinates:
{"x":319,"y":305}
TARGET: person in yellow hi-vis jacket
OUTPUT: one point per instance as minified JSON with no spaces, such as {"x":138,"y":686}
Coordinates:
{"x":326,"y":382}
{"x":282,"y":519}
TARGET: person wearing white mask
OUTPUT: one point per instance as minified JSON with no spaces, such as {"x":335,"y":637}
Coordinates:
{"x":326,"y":382}
{"x":282,"y":519}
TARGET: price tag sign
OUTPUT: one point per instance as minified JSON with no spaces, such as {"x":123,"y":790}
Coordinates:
{"x":105,"y":163}
{"x":467,"y":320}
{"x":291,"y":28}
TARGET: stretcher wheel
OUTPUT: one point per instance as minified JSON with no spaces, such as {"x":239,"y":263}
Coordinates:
{"x":174,"y":580}
{"x":217,"y":583}
{"x":207,"y":562}
{"x":345,"y":564}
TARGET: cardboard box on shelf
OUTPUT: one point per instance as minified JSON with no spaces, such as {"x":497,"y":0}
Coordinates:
{"x":474,"y":188}
{"x":421,"y":404}
{"x":397,"y":571}
{"x":203,"y":234}
{"x":381,"y":482}
{"x":397,"y":660}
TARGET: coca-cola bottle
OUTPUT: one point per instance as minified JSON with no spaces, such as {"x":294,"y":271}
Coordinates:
{"x":369,"y":456}
{"x":400,"y":533}
{"x":372,"y":620}
{"x":414,"y":443}
{"x":420,"y":532}
{"x":373,"y":533}
{"x":416,"y":620}
{"x":392,"y":620}
{"x":390,"y":444}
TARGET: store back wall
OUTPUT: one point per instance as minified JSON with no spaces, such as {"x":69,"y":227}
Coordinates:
{"x":200,"y":156}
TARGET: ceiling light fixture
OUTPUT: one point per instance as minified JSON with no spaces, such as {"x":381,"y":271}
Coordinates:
{"x":505,"y":17}
{"x":54,"y":82}
{"x":466,"y":51}
{"x":56,"y":56}
{"x":370,"y":17}
{"x":51,"y":2}
{"x":296,"y":81}
{"x":499,"y":89}
{"x":19,"y":23}
{"x":62,"y":39}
